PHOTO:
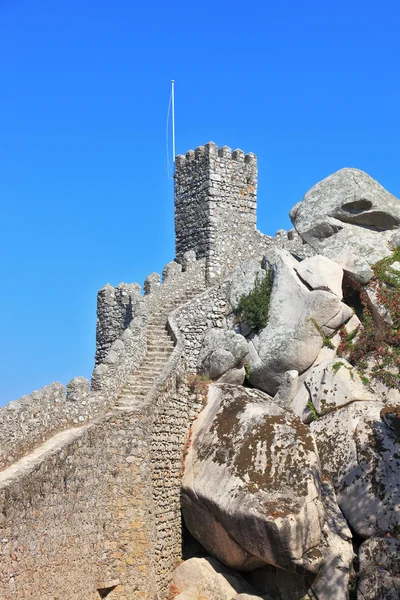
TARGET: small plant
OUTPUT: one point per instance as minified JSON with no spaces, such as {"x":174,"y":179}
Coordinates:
{"x":326,"y":339}
{"x":376,"y":351}
{"x":336,"y":366}
{"x":312,"y":409}
{"x":247,"y":368}
{"x":353,"y":587}
{"x":365,"y":380}
{"x":253,"y":308}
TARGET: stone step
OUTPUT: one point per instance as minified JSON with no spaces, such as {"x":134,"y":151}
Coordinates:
{"x":164,"y":344}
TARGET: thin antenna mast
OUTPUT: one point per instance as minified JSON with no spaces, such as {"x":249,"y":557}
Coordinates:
{"x":173,"y":119}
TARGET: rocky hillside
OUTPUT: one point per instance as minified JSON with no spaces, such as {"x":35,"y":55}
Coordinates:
{"x":291,"y":480}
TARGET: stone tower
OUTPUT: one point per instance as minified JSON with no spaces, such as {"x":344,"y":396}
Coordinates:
{"x":215,"y":206}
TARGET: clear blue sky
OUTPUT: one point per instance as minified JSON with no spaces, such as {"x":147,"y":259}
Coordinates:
{"x":309,"y":86}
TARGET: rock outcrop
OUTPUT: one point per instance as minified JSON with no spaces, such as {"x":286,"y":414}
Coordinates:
{"x":222,"y":351}
{"x":251,"y":488}
{"x":350,"y":218}
{"x":298,"y":320}
{"x":360,"y":455}
{"x":379,"y":577}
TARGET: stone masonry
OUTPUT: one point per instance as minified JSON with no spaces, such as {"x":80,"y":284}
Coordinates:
{"x":90,"y":478}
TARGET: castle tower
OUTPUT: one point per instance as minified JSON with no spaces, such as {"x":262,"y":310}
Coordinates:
{"x":215,"y":206}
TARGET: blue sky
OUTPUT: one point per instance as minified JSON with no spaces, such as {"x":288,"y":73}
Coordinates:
{"x":309,"y":86}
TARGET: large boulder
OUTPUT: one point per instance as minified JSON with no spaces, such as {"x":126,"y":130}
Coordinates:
{"x":379,"y":577}
{"x":359,"y":453}
{"x":350,"y":218}
{"x":251,"y":487}
{"x":332,"y":580}
{"x":208,"y":579}
{"x":298,"y":317}
{"x":221,"y":351}
{"x":335,"y":383}
{"x":321,"y":273}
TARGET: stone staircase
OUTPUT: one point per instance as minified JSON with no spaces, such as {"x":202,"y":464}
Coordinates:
{"x":159,"y":348}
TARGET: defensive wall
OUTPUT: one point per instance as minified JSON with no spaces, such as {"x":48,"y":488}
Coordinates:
{"x":89,"y":491}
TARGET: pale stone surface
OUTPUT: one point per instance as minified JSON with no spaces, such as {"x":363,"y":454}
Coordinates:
{"x":350,"y":218}
{"x":251,"y":483}
{"x":299,"y":404}
{"x":235,"y":376}
{"x":291,"y":340}
{"x":210,"y":577}
{"x":379,"y":577}
{"x":191,"y":593}
{"x":251,"y":597}
{"x":321,"y":273}
{"x":288,"y":389}
{"x":333,"y":577}
{"x":335,"y":383}
{"x":222,"y":350}
{"x":359,"y":454}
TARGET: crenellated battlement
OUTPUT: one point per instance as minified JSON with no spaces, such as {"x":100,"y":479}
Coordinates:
{"x":211,"y":150}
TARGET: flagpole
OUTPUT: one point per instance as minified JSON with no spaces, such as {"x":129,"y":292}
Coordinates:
{"x":173,"y":119}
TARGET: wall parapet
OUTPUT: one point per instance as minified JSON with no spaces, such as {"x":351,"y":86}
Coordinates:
{"x":124,"y":356}
{"x":30,"y":421}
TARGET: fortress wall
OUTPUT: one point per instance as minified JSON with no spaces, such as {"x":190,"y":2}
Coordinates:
{"x":178,"y":279}
{"x":175,"y":406}
{"x":79,"y":518}
{"x":116,"y":307}
{"x":194,"y":318}
{"x":124,"y":356}
{"x":28,"y":422}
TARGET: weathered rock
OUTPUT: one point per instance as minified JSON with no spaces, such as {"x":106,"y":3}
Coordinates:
{"x":360,"y":455}
{"x":222,"y":350}
{"x":251,"y":485}
{"x":321,"y":273}
{"x":350,"y":218}
{"x":390,"y":415}
{"x":191,"y":593}
{"x":379,"y":577}
{"x":333,"y":577}
{"x":211,"y":579}
{"x":282,"y":585}
{"x":288,"y":389}
{"x":300,"y":404}
{"x":335,"y":383}
{"x":250,"y":597}
{"x":243,"y":279}
{"x":292,"y":338}
{"x":235,"y":376}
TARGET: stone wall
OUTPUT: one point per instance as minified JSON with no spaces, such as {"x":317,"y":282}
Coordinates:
{"x":116,"y":307}
{"x":207,"y":310}
{"x":124,"y":355}
{"x":28,"y":422}
{"x":75,"y":517}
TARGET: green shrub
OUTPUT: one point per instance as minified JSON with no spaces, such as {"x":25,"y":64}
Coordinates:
{"x":253,"y":308}
{"x":376,"y":349}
